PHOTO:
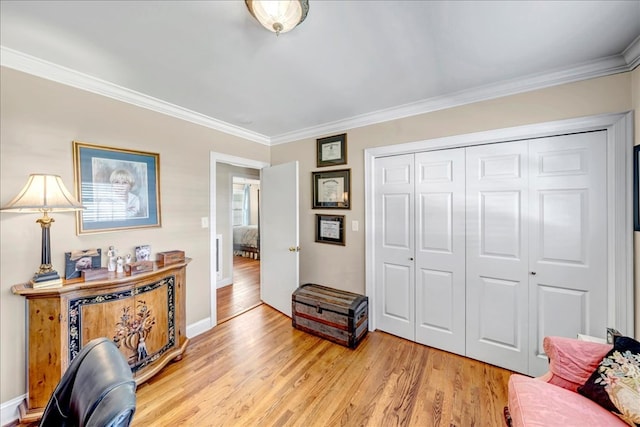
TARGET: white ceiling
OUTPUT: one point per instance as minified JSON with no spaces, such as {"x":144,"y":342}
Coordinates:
{"x":350,"y":63}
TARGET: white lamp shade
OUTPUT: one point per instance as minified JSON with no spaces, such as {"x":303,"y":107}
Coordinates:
{"x":43,"y":193}
{"x":279,"y":16}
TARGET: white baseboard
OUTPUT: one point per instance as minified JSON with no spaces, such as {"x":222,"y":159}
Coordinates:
{"x":199,"y":327}
{"x":9,"y":410}
{"x":224,"y":282}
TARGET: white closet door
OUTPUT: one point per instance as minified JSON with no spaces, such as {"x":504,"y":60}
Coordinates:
{"x":394,"y":245}
{"x":568,"y":250}
{"x":440,"y":249}
{"x":497,"y":254}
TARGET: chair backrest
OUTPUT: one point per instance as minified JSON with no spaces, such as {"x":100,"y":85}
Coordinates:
{"x":97,"y":390}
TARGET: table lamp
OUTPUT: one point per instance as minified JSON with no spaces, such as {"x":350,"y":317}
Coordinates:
{"x":44,"y":193}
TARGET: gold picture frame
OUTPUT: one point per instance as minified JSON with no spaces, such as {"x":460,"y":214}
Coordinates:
{"x":119,"y":188}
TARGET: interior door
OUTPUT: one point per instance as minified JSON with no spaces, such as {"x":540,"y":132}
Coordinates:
{"x":279,"y":235}
{"x":440,"y":249}
{"x":568,"y":250}
{"x":497,"y":254}
{"x":394,"y":245}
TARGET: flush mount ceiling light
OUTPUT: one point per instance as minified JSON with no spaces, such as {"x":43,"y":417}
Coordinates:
{"x":278,"y":16}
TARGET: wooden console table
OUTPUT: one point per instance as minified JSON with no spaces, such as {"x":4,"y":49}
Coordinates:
{"x":143,"y":314}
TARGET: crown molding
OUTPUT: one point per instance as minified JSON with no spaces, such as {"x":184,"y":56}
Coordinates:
{"x":624,"y":62}
{"x":38,"y":67}
{"x":588,"y":70}
{"x":632,"y":53}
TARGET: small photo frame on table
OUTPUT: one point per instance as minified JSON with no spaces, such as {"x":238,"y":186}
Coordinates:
{"x":119,"y":188}
{"x":330,"y":229}
{"x":636,"y":188}
{"x":143,"y":253}
{"x":332,"y":150}
{"x":331,"y":189}
{"x":77,"y":261}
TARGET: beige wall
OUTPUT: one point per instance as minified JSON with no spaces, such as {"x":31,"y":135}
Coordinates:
{"x":39,"y":119}
{"x":603,"y":95}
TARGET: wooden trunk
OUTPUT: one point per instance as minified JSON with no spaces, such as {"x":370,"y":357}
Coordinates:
{"x":339,"y":316}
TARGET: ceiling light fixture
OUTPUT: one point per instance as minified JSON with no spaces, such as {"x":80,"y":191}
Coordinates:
{"x":278,"y":16}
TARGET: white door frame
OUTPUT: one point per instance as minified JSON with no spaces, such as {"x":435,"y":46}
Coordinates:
{"x":214,"y":158}
{"x":619,"y":129}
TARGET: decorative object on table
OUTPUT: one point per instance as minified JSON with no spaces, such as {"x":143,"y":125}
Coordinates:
{"x":169,"y":257}
{"x":95,"y":274}
{"x":332,"y":150}
{"x":138,"y":267}
{"x":278,"y":16}
{"x":636,"y":188}
{"x":128,"y":259}
{"x":120,"y":188}
{"x":330,"y":229}
{"x":44,"y":193}
{"x":78,"y":261}
{"x":143,"y":253}
{"x":331,"y":189}
{"x":112,"y":255}
{"x":336,"y":315}
{"x":120,"y":265}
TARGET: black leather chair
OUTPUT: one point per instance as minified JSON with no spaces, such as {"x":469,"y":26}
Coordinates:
{"x":97,"y":390}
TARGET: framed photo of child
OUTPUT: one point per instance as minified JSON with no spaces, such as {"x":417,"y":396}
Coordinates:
{"x":119,"y":188}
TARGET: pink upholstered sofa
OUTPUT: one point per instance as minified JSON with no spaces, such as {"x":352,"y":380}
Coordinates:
{"x":553,"y":400}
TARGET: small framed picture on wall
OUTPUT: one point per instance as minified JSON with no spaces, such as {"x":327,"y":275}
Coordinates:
{"x":330,"y":229}
{"x":331,"y":189}
{"x":332,"y":150}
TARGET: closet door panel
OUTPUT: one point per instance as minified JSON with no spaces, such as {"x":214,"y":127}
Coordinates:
{"x":568,"y":274}
{"x":440,"y":249}
{"x":497,"y":254}
{"x":394,"y":246}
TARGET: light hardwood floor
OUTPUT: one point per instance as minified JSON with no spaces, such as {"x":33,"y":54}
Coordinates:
{"x":256,"y":370}
{"x":244,"y":293}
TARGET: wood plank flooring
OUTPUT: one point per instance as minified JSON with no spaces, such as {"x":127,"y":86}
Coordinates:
{"x":244,"y":293}
{"x":256,"y":370}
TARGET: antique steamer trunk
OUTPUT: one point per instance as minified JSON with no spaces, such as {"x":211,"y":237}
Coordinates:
{"x":339,"y":316}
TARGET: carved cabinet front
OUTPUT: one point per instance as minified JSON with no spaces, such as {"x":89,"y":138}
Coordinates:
{"x":143,"y":315}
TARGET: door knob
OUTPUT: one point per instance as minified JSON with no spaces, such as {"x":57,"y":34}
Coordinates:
{"x":294,"y":249}
{"x":533,"y":273}
{"x":411,"y":259}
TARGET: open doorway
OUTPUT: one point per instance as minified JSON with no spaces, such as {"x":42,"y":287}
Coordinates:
{"x":238,"y":241}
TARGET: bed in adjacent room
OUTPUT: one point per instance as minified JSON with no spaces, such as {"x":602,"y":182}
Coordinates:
{"x":246,"y":241}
